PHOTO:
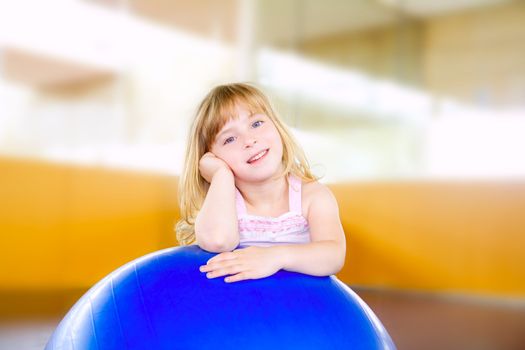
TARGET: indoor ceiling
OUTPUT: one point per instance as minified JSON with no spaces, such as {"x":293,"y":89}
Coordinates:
{"x":289,"y":22}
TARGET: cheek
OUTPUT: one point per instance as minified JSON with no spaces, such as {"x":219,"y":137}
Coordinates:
{"x":276,"y":139}
{"x":226,"y":155}
{"x":229,"y":158}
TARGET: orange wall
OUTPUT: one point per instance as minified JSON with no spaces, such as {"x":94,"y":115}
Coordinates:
{"x":65,"y":226}
{"x":465,"y":237}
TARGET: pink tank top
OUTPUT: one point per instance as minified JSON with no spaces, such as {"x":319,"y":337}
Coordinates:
{"x":290,"y":227}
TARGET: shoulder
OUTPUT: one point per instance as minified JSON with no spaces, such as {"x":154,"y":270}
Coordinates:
{"x":316,"y":194}
{"x":323,"y":214}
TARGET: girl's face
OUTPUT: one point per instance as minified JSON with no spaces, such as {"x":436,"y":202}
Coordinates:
{"x":246,"y":138}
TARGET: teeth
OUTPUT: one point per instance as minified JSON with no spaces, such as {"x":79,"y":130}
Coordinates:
{"x":257,"y":156}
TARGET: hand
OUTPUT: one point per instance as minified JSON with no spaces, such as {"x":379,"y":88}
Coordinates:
{"x":210,"y":164}
{"x":242,"y":264}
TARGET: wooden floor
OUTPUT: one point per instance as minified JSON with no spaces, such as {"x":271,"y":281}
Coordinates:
{"x":415,"y":321}
{"x":418,"y":321}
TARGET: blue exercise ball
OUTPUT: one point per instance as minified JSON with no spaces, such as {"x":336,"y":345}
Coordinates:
{"x":163,"y":301}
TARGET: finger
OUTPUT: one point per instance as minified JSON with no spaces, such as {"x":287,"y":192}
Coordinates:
{"x":238,"y":277}
{"x":222,"y":257}
{"x":230,"y":270}
{"x":239,"y":252}
{"x":214,"y":266}
{"x":218,"y":265}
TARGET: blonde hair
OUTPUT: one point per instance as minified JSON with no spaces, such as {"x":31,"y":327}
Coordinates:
{"x":215,"y":110}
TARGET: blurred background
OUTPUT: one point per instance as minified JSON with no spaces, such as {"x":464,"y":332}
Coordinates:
{"x":411,"y":111}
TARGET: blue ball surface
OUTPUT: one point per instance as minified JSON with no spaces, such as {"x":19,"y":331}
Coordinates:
{"x":163,"y":301}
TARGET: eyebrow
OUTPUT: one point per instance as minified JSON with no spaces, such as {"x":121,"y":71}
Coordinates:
{"x":219,"y":135}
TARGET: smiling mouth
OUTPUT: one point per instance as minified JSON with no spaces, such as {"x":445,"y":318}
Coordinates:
{"x":258,"y":157}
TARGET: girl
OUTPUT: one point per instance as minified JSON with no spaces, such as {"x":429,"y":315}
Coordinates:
{"x":247,"y":184}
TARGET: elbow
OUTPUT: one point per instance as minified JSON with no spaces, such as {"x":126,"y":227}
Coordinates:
{"x":341,"y":259}
{"x":216,"y":241}
{"x":336,"y":267}
{"x":218,"y":245}
{"x":339,"y":266}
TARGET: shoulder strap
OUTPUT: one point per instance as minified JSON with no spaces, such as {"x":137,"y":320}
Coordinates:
{"x":294,"y":194}
{"x":239,"y":203}
{"x":294,"y":197}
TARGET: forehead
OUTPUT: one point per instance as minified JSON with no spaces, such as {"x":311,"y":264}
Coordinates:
{"x":230,"y":125}
{"x":229,"y":114}
{"x":233,"y":112}
{"x":236,"y":112}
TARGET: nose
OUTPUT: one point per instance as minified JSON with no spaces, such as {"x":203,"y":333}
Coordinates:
{"x":250,"y":142}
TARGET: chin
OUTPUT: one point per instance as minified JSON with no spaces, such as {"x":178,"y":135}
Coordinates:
{"x":257,"y":175}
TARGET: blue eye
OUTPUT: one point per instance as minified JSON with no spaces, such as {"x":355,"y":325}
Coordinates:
{"x":231,"y":137}
{"x":257,"y":122}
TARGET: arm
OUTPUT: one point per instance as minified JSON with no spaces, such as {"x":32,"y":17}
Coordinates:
{"x":316,"y":258}
{"x":216,"y":227}
{"x":325,"y":255}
